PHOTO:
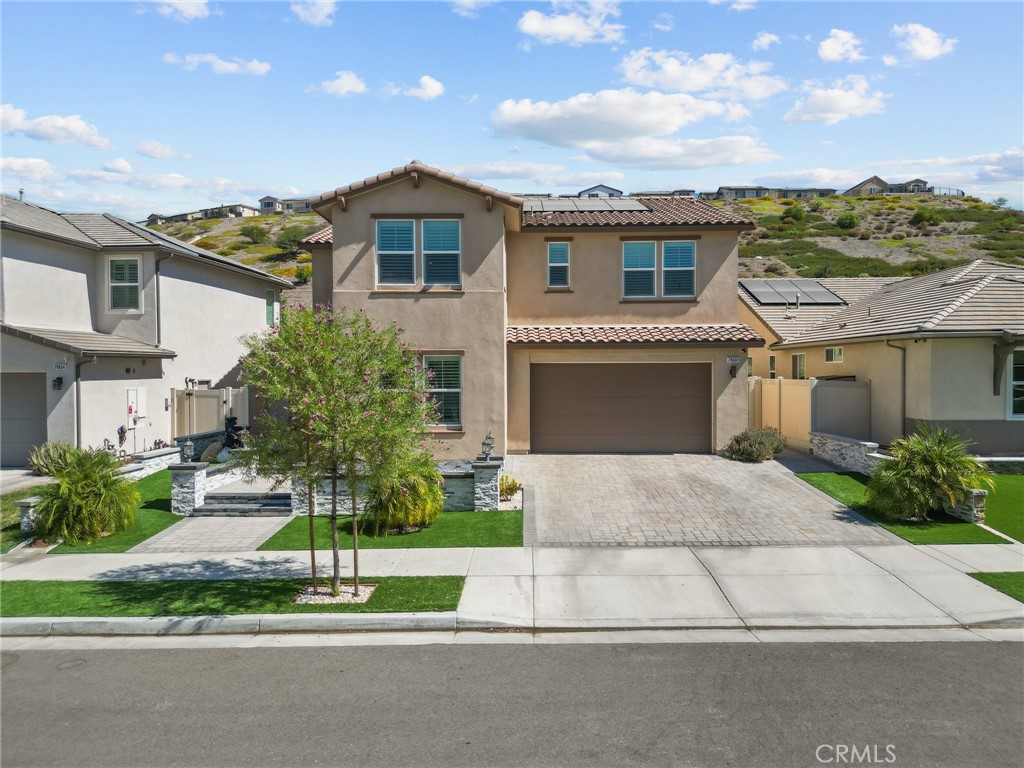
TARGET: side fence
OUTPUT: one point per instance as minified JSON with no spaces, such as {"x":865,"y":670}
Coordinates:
{"x":797,"y":407}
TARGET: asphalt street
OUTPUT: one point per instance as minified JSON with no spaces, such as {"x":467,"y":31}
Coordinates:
{"x":921,"y":704}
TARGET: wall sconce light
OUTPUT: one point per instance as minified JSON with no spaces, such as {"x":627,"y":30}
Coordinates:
{"x":732,"y":371}
{"x":58,"y":383}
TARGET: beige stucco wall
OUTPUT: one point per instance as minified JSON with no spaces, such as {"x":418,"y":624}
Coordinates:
{"x":729,"y":394}
{"x":961,"y":375}
{"x":758,"y":355}
{"x":470,"y":321}
{"x":595,"y":279}
{"x":46,"y":283}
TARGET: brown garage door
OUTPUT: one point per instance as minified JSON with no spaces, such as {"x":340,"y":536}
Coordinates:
{"x":620,"y":408}
{"x":22,"y":416}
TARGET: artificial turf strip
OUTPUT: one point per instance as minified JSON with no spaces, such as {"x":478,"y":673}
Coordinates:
{"x":1004,"y":506}
{"x":850,"y":488}
{"x":153,"y":515}
{"x":1008,"y":582}
{"x":198,"y":597}
{"x":451,"y":529}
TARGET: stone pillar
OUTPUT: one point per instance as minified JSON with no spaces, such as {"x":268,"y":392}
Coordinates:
{"x":970,"y":509}
{"x":486,"y":473}
{"x":27,"y":508}
{"x":188,"y":487}
{"x":300,"y":494}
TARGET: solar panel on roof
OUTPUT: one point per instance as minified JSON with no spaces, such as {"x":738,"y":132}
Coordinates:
{"x":623,"y":204}
{"x":774,"y":292}
{"x":591,"y":204}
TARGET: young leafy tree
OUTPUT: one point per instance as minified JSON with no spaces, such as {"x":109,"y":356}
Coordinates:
{"x":345,"y":398}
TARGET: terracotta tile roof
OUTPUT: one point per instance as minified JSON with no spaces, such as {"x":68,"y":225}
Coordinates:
{"x":323,"y":237}
{"x":661,"y":212}
{"x":726,"y":334}
{"x":404,"y":171}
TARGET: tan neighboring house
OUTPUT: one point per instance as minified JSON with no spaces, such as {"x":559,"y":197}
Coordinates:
{"x":945,"y":348}
{"x":554,"y":324}
{"x":101,"y":318}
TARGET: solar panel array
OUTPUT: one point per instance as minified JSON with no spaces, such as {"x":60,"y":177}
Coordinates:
{"x":810,"y":292}
{"x":581,"y":204}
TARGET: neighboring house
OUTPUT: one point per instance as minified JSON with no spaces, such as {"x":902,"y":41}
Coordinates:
{"x":600,"y":190}
{"x":667,"y":193}
{"x":879,"y":186}
{"x":555,"y":324}
{"x":741,"y":193}
{"x":239,"y":211}
{"x":270,"y":205}
{"x":945,"y":348}
{"x":102,"y":318}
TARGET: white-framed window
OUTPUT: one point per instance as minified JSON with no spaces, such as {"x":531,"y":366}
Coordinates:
{"x":771,"y":367}
{"x":442,"y":248}
{"x":445,"y":385}
{"x":396,"y":252}
{"x":558,"y":265}
{"x":800,"y":365}
{"x":639,"y":264}
{"x":1016,"y":388}
{"x":833,"y":354}
{"x":123,"y":276}
{"x":678,"y":268}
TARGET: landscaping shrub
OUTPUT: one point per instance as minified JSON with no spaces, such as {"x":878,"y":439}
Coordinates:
{"x":255,"y":233}
{"x":47,"y":458}
{"x":795,"y":212}
{"x":774,"y":268}
{"x":90,"y":497}
{"x":208,"y":243}
{"x":926,"y":217}
{"x":755,"y":445}
{"x":847,"y":221}
{"x":405,"y":504}
{"x":303,"y":273}
{"x":508,"y":487}
{"x":926,"y":469}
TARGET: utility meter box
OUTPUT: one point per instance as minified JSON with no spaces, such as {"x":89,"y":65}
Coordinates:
{"x":136,"y":406}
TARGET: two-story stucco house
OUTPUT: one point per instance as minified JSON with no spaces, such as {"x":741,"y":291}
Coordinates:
{"x":555,"y":324}
{"x":101,"y":319}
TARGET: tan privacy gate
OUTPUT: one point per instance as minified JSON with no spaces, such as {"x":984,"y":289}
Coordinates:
{"x":620,"y":408}
{"x":204,"y":410}
{"x":797,"y":407}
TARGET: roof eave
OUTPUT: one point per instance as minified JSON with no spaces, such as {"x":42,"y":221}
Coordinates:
{"x":903,"y":335}
{"x":626,"y":344}
{"x":155,"y":352}
{"x":638,"y":227}
{"x":48,"y":236}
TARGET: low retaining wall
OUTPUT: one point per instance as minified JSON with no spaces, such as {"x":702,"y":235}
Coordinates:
{"x":191,"y":482}
{"x":1004,"y":465}
{"x":150,"y":462}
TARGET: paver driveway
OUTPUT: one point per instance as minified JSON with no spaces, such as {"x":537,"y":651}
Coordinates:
{"x":652,"y":500}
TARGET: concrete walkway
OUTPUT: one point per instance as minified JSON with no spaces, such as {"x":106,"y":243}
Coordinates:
{"x":213,"y":534}
{"x":616,"y":588}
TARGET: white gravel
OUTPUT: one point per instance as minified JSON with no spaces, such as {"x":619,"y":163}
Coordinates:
{"x":324,"y":597}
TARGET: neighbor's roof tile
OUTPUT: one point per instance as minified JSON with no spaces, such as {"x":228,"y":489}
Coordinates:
{"x":661,"y":212}
{"x":731,"y":333}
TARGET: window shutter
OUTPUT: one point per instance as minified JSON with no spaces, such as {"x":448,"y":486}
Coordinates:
{"x":395,"y":236}
{"x":638,"y":256}
{"x":396,"y":268}
{"x":441,"y":236}
{"x":639,"y":283}
{"x":271,"y":298}
{"x":679,"y":255}
{"x":441,"y":269}
{"x":446,"y":372}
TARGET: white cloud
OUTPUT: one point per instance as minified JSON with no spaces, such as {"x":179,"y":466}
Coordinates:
{"x":890,"y":61}
{"x":829,"y":178}
{"x":675,"y":154}
{"x":764,"y":41}
{"x":603,"y":116}
{"x":428,"y":90}
{"x":718,"y":75}
{"x":218,"y":66}
{"x":33,"y":169}
{"x":215,"y":189}
{"x":574,"y":23}
{"x":151,"y":148}
{"x":841,"y":45}
{"x":846,"y":98}
{"x":664,"y":22}
{"x":319,"y":13}
{"x":118,"y":165}
{"x":60,"y":129}
{"x":541,"y":174}
{"x":470,"y":9}
{"x":988,"y":168}
{"x":736,"y":5}
{"x":183,"y":10}
{"x":345,"y":82}
{"x":923,"y":43}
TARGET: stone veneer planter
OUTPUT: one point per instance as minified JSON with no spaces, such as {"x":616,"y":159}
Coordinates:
{"x":192,"y":481}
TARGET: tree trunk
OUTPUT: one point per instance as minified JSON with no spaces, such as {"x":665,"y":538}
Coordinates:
{"x":336,"y":578}
{"x":311,"y":506}
{"x":355,"y":532}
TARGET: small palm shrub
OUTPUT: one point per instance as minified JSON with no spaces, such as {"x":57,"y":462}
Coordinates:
{"x":47,"y":458}
{"x":508,"y":487}
{"x":89,"y":498}
{"x":405,"y":504}
{"x":926,"y":469}
{"x":755,"y":445}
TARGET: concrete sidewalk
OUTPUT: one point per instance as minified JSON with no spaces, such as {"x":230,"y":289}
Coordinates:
{"x":616,"y":588}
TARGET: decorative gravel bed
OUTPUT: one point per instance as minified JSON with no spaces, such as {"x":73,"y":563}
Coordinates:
{"x":323,"y":595}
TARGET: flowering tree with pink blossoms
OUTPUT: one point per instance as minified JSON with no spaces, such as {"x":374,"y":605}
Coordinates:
{"x":343,"y":401}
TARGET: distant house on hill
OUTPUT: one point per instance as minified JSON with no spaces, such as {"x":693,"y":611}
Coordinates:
{"x":600,"y":190}
{"x":742,"y":193}
{"x":270,"y":205}
{"x":876,"y":185}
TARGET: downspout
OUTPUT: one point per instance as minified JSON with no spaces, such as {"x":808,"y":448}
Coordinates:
{"x":159,"y":304}
{"x":903,"y":385}
{"x":78,"y":399}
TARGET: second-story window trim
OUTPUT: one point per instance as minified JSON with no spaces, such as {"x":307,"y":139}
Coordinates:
{"x":639,"y":267}
{"x":396,"y":251}
{"x":558,"y":265}
{"x":124,"y":284}
{"x":442,"y":251}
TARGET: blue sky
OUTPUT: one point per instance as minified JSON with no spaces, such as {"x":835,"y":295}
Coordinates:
{"x":135,"y":107}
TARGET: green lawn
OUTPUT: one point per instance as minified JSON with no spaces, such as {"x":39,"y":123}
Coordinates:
{"x":1010,"y":582}
{"x":850,"y":488}
{"x":452,"y":529}
{"x":196,"y":597}
{"x":10,"y":517}
{"x":1004,"y":507}
{"x":153,"y":515}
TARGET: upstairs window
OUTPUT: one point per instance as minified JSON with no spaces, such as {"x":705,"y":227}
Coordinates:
{"x":1017,"y":384}
{"x":396,"y":248}
{"x":124,"y":284}
{"x":833,"y":354}
{"x":638,"y":267}
{"x":445,"y":387}
{"x":442,"y":247}
{"x":678,"y":267}
{"x":558,"y":265}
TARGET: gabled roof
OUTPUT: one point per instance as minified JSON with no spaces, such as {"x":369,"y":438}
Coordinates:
{"x":881,"y":182}
{"x":983,"y":298}
{"x":655,"y":211}
{"x":407,"y":171}
{"x":87,"y":343}
{"x":728,"y":334}
{"x":26,"y":217}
